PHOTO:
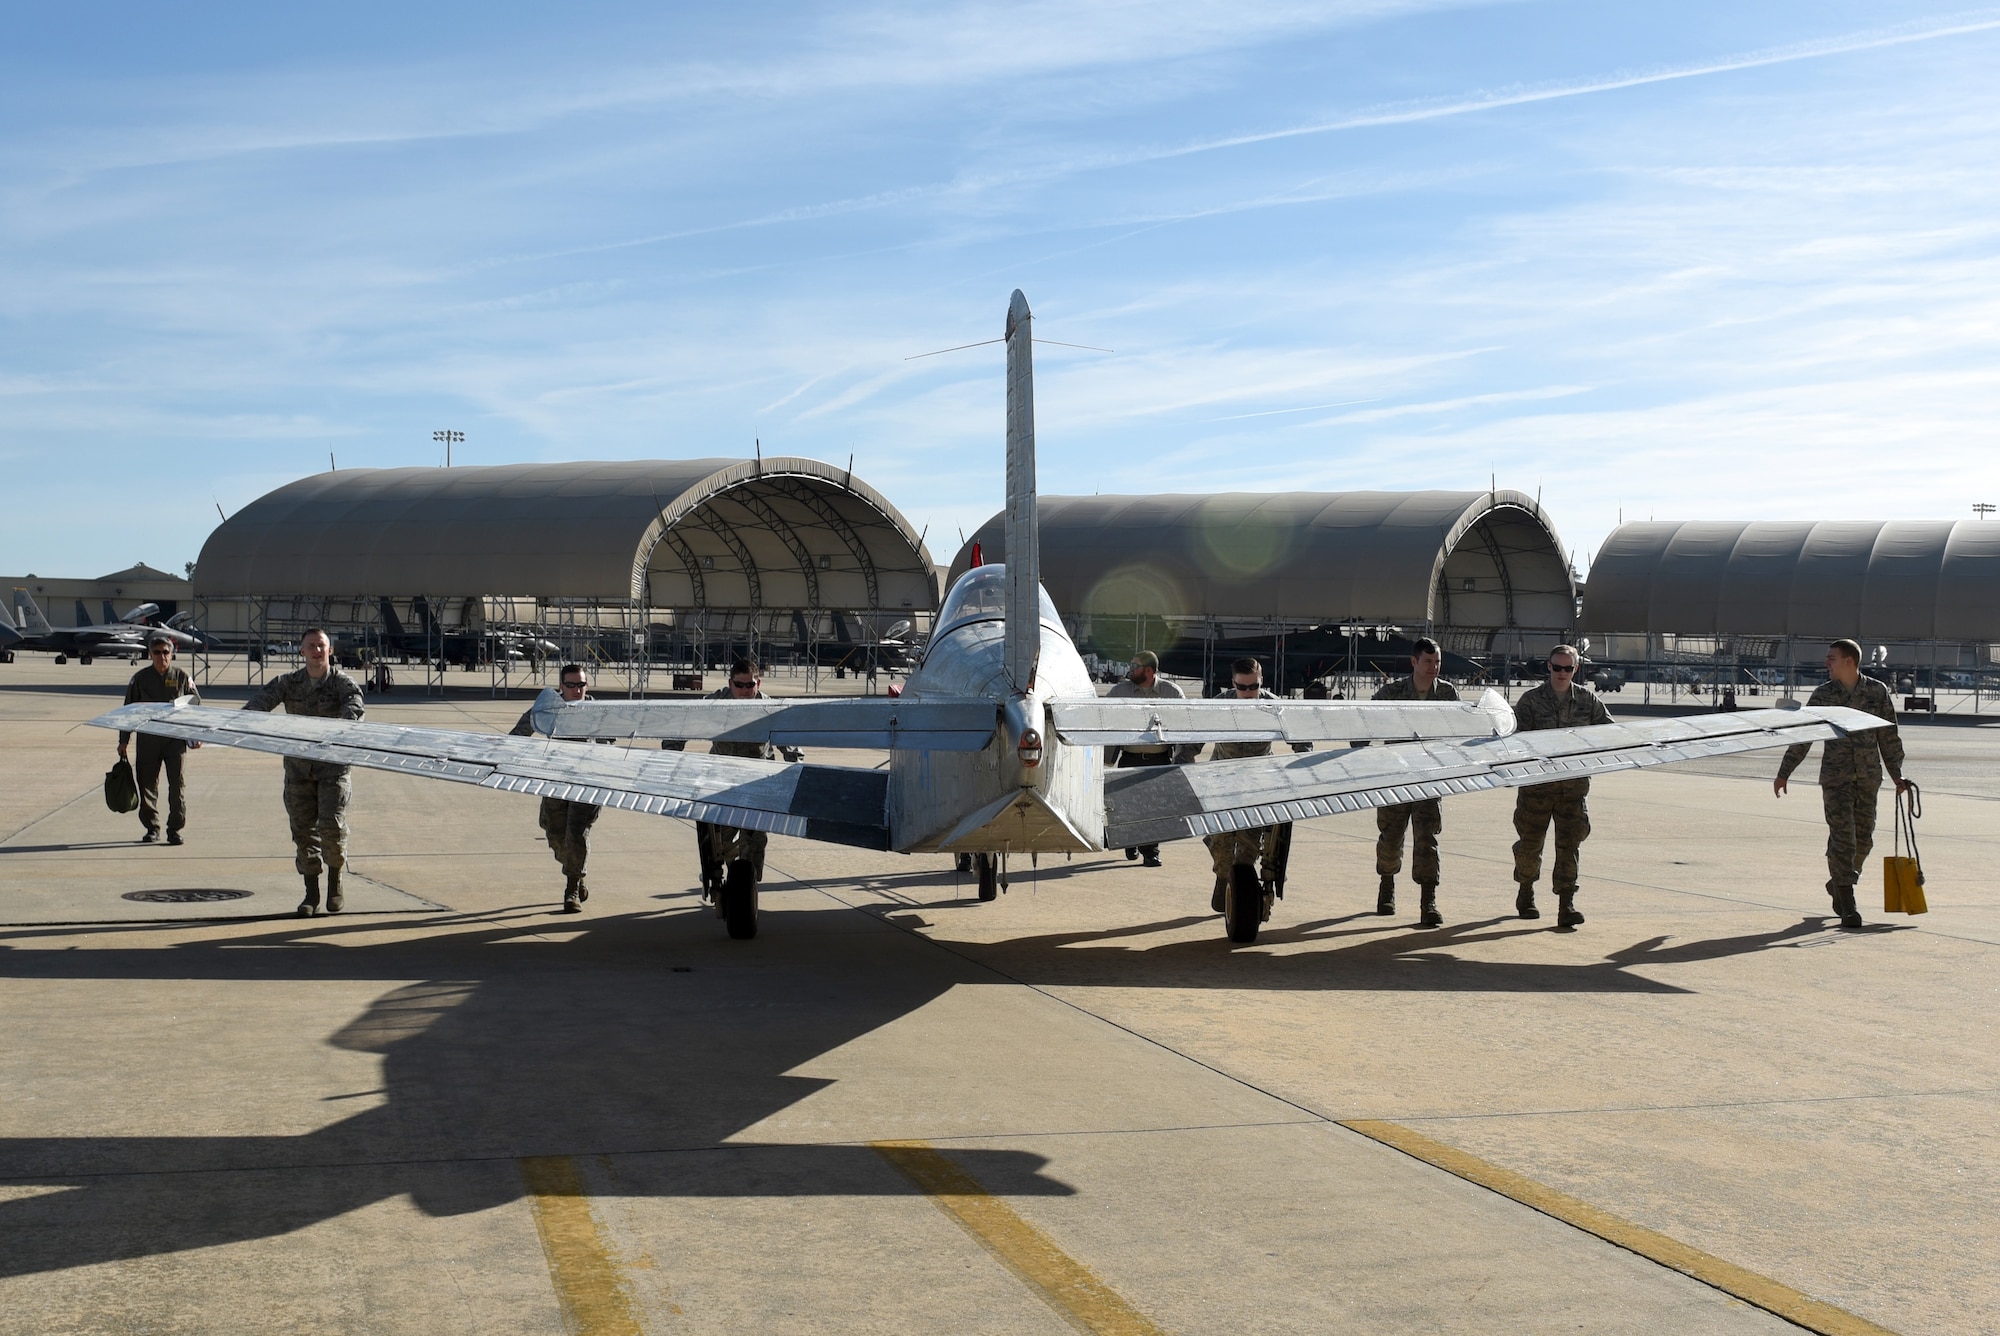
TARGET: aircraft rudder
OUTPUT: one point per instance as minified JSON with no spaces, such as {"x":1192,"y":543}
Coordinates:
{"x":1024,"y":565}
{"x":31,"y":618}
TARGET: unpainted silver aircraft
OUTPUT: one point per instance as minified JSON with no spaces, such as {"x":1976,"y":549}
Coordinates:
{"x":996,"y":744}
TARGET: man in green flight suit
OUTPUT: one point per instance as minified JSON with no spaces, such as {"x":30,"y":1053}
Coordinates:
{"x":161,"y":684}
{"x":316,"y":792}
{"x":1850,"y":773}
{"x":1423,"y":819}
{"x":1557,"y":703}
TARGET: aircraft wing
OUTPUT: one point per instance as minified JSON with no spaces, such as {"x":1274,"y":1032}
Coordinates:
{"x":875,"y":721}
{"x":1145,"y":806}
{"x":1134,"y":721}
{"x":817,"y":802}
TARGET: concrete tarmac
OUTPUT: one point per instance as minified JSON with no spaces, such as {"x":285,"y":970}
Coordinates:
{"x":452,"y":1109}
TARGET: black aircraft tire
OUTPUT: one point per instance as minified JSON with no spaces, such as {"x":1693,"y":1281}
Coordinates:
{"x":739,"y":900}
{"x":989,"y":876}
{"x":1243,"y":906}
{"x":62,"y":658}
{"x":83,"y":659}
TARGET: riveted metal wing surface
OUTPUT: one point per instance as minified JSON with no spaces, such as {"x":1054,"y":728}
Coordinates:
{"x":833,"y":803}
{"x":925,"y":725}
{"x":1131,"y":721}
{"x":1163,"y":803}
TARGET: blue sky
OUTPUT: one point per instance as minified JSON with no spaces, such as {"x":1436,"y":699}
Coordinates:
{"x":1688,"y":261}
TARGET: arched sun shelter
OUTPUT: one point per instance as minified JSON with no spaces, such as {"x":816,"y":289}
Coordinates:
{"x":1484,"y":572}
{"x":623,"y":561}
{"x":1764,"y":596}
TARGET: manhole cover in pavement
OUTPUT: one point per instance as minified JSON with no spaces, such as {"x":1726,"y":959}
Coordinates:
{"x":184,"y":897}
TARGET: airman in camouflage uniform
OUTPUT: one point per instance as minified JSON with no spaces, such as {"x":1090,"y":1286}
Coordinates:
{"x":1258,"y":845}
{"x":1557,"y":703}
{"x":316,"y":792}
{"x":722,"y":845}
{"x":1850,"y":773}
{"x":1424,"y":820}
{"x":566,"y":825}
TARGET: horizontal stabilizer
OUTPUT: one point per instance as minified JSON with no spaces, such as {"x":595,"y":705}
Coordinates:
{"x":841,"y":721}
{"x":1130,"y":721}
{"x":819,"y":802}
{"x":1144,"y":806}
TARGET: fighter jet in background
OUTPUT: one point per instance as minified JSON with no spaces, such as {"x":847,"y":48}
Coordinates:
{"x":124,"y":637}
{"x":996,"y":744}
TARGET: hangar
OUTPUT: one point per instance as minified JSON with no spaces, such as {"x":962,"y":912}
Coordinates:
{"x":1304,"y":577}
{"x":628,"y":563}
{"x":1746,"y":602}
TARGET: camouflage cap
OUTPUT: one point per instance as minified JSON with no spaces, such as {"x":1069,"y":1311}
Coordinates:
{"x":159,"y":638}
{"x":1145,"y":658}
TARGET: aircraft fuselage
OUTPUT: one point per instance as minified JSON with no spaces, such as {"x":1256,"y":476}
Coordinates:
{"x":993,"y":801}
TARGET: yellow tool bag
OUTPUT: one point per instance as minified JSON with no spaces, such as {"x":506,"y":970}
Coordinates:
{"x":1903,"y":878}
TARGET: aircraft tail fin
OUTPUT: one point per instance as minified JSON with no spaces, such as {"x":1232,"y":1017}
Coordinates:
{"x":82,"y":614}
{"x":390,"y":621}
{"x":30,"y":616}
{"x":7,"y":620}
{"x":1024,"y":557}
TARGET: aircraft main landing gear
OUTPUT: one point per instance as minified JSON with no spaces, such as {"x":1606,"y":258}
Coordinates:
{"x":62,"y":658}
{"x":1243,"y":904}
{"x":738,"y":900}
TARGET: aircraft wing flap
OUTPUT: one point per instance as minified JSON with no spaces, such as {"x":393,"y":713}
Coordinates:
{"x":1129,"y":721}
{"x":933,"y":725}
{"x":812,"y":801}
{"x":1143,"y":806}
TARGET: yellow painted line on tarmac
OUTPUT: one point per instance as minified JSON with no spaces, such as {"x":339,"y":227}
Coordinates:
{"x":588,"y":1284}
{"x":1744,"y":1284}
{"x":1064,"y":1283}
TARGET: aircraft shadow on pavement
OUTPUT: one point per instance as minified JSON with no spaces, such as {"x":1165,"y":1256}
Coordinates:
{"x":649,"y":1038}
{"x":1385,"y":957}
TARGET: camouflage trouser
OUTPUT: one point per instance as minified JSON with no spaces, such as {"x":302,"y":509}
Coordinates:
{"x":1533,"y":807}
{"x":316,"y":794}
{"x":1850,"y":831}
{"x":1425,"y":820}
{"x":156,"y":754}
{"x":566,"y":825}
{"x":723,"y":845}
{"x":1259,"y":843}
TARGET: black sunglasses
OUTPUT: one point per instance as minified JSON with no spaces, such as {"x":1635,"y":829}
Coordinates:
{"x":743,"y":686}
{"x":580,"y":686}
{"x":1562,"y":667}
{"x":1247,"y":686}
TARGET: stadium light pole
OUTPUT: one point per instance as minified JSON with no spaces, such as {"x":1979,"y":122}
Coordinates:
{"x":446,"y":438}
